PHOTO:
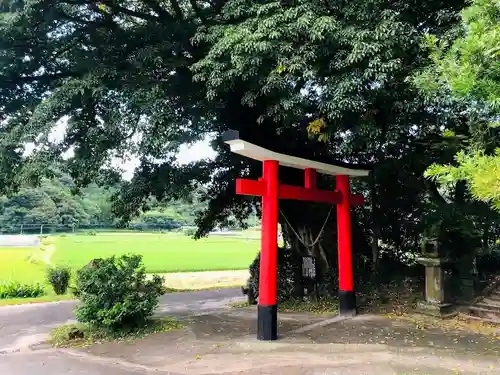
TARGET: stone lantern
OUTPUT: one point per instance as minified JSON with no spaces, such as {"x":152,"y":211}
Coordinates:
{"x":434,"y":259}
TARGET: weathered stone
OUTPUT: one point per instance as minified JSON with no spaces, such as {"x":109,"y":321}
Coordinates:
{"x":439,"y":310}
{"x":432,"y":248}
{"x":467,"y":290}
{"x":435,"y":298}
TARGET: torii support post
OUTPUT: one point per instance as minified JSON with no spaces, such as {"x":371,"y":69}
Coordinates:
{"x":267,"y":309}
{"x":347,"y":297}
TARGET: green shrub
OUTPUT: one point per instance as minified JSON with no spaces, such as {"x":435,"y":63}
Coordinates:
{"x":285,"y":277}
{"x":14,"y":289}
{"x":115,"y":293}
{"x":74,"y":291}
{"x":90,"y":233}
{"x":59,"y":278}
{"x":190,"y":232}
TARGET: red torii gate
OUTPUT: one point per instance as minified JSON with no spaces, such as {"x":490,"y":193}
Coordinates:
{"x":270,"y":189}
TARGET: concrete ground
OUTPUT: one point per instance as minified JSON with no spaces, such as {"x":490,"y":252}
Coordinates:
{"x":222,"y":341}
{"x":24,"y":325}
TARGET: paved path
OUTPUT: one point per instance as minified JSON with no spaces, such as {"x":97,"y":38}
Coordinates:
{"x":25,"y":325}
{"x":221,"y":341}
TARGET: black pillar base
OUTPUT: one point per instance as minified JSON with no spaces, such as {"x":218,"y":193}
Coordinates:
{"x":267,"y":322}
{"x":347,"y":303}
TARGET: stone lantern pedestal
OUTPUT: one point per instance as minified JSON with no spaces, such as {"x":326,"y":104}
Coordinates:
{"x":435,"y":300}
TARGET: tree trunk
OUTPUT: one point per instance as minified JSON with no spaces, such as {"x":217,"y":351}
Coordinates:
{"x":302,"y":224}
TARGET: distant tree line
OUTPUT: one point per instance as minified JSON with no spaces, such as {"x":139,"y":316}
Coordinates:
{"x":55,"y":205}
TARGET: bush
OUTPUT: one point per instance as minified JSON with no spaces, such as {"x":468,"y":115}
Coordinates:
{"x":190,"y":232}
{"x":74,"y":291}
{"x":115,"y":293}
{"x":285,"y":277}
{"x":59,"y":278}
{"x":14,"y":289}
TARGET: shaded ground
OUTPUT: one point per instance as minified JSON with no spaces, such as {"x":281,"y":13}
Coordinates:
{"x":401,"y":334}
{"x":223,"y":342}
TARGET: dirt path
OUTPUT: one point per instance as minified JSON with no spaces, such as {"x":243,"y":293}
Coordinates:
{"x":204,"y":280}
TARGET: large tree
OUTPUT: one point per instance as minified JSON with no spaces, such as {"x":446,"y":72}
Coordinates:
{"x":468,"y":66}
{"x":144,"y":77}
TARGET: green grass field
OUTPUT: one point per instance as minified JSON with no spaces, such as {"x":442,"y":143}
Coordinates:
{"x":162,"y":253}
{"x":14,"y":265}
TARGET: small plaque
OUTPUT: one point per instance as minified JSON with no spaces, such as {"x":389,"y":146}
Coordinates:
{"x":308,"y":267}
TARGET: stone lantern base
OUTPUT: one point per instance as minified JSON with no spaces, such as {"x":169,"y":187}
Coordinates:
{"x":438,"y":310}
{"x":434,"y":304}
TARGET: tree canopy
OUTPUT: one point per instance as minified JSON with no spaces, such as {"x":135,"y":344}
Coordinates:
{"x":469,"y":66}
{"x":327,"y":80}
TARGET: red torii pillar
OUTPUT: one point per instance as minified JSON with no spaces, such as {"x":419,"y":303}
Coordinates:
{"x":269,"y":188}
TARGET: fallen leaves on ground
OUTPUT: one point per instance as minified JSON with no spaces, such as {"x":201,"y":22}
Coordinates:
{"x":320,"y":306}
{"x":455,"y":324}
{"x":393,"y":298}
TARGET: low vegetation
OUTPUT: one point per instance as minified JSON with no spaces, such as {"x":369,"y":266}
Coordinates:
{"x":78,"y":335}
{"x":161,"y":253}
{"x":115,"y":293}
{"x":14,"y":289}
{"x":18,"y":265}
{"x":59,"y":278}
{"x":117,"y":301}
{"x":316,"y":306}
{"x":325,"y":305}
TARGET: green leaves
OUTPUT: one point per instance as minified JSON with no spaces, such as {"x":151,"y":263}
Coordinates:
{"x":468,"y":65}
{"x":322,"y":49}
{"x":115,"y":293}
{"x":140,"y":78}
{"x":482,"y":173}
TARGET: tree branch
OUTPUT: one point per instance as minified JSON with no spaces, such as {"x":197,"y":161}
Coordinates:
{"x":197,"y":10}
{"x":129,"y":12}
{"x":177,"y":9}
{"x":156,"y":7}
{"x":115,"y":8}
{"x":19,"y":80}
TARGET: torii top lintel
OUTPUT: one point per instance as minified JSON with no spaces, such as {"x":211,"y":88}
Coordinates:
{"x":241,"y":147}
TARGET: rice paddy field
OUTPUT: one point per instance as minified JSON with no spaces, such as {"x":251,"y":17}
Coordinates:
{"x":162,"y":253}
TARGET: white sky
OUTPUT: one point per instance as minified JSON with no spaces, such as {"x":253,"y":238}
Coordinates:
{"x":187,"y":153}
